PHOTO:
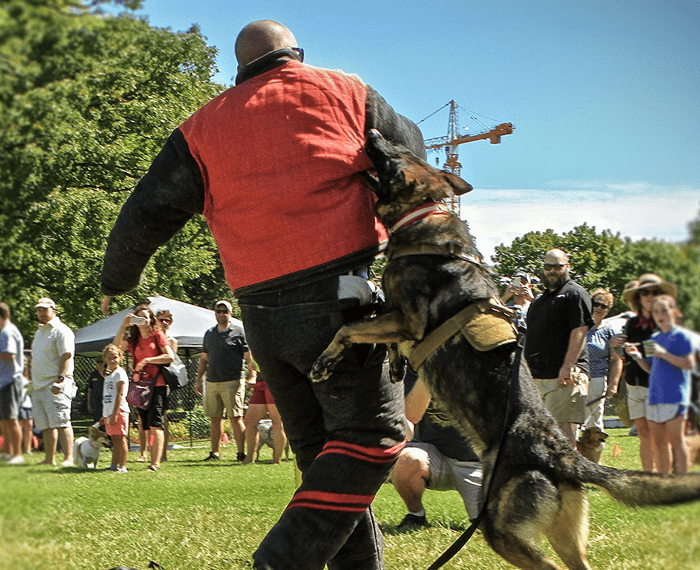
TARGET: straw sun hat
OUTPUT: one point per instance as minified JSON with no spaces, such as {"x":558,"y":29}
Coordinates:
{"x":647,"y":281}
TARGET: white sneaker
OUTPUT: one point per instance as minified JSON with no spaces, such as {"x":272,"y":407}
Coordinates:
{"x":16,"y":460}
{"x":122,"y":469}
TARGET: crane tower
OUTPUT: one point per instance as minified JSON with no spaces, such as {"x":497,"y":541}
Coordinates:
{"x":454,"y":139}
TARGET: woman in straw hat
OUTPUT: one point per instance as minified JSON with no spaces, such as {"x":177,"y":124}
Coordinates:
{"x":638,"y":329}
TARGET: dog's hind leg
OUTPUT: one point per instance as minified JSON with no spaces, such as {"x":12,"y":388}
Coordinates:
{"x":568,"y":534}
{"x":526,"y":506}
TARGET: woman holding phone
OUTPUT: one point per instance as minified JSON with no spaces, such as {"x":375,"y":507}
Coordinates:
{"x":150,"y":350}
{"x":638,"y":329}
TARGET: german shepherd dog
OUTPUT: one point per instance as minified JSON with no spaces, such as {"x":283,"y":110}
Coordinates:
{"x":433,"y":272}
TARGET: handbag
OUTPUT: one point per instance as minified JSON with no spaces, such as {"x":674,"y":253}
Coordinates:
{"x":140,"y":392}
{"x":175,"y":374}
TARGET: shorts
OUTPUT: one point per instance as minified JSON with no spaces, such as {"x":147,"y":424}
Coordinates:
{"x":9,"y":400}
{"x":261,"y":394}
{"x":447,"y":474}
{"x":224,"y":396}
{"x":120,"y":426}
{"x":637,"y":398}
{"x":25,"y":414}
{"x":153,"y":416}
{"x":51,"y":410}
{"x":567,"y":404}
{"x":662,"y":413}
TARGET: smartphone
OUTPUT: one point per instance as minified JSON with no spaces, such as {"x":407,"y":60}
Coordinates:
{"x":138,"y":320}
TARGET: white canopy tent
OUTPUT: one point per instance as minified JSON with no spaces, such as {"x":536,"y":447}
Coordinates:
{"x":189,"y":325}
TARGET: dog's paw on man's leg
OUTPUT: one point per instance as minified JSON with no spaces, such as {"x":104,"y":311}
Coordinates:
{"x":324,"y":365}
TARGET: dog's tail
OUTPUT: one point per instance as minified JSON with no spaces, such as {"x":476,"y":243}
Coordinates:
{"x":638,"y":488}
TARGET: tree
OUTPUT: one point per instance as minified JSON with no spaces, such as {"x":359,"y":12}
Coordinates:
{"x":86,"y":102}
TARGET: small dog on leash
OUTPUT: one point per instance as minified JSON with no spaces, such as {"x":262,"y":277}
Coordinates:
{"x":591,"y":443}
{"x":86,"y":450}
{"x":267,"y":438}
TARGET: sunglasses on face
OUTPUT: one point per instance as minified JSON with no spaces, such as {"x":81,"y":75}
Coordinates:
{"x":300,"y":51}
{"x":222,"y":311}
{"x":550,"y":266}
{"x":599,"y":305}
{"x":647,"y":292}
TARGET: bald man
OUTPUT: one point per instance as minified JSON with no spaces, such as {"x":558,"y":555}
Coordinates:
{"x":555,"y":347}
{"x":275,"y":165}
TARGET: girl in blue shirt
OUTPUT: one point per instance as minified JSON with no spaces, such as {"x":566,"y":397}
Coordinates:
{"x":670,"y":351}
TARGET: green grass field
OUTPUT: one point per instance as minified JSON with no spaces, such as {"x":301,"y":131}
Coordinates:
{"x":198,"y":515}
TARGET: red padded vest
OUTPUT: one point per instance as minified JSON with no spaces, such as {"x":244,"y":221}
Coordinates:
{"x":280,"y":155}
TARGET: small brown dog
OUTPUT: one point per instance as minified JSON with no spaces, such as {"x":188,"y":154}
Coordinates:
{"x":692,"y":442}
{"x":591,"y":443}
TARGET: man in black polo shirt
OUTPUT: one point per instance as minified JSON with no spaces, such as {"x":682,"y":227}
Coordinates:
{"x":555,"y":346}
{"x":223,"y":350}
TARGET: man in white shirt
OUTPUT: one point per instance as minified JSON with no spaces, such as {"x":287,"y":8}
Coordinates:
{"x":52,"y":376}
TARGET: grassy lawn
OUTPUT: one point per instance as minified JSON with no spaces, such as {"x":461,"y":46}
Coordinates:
{"x":195,"y":514}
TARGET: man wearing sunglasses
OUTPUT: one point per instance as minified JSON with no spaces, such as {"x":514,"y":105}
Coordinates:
{"x":224,"y":349}
{"x":276,"y":164}
{"x":555,"y":346}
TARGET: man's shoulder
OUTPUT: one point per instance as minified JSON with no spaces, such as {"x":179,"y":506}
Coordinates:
{"x":572,"y":288}
{"x":61,"y":327}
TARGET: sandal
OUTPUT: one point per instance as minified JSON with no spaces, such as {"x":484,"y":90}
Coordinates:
{"x":154,"y":468}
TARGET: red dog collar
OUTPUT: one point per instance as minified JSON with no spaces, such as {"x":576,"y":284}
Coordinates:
{"x":419,"y":213}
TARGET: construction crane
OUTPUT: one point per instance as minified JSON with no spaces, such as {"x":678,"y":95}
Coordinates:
{"x":453,"y":139}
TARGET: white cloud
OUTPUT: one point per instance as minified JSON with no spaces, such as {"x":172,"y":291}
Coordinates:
{"x":636,"y":210}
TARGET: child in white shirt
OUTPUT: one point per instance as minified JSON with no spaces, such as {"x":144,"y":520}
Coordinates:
{"x":115,"y":410}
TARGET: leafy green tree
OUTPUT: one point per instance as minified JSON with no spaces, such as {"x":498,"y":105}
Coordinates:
{"x":86,"y":102}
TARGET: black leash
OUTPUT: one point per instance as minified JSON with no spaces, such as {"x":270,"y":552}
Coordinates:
{"x":467,"y":534}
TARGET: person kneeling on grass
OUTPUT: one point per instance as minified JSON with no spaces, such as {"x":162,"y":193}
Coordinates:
{"x":115,"y":410}
{"x":438,"y":457}
{"x":669,"y":361}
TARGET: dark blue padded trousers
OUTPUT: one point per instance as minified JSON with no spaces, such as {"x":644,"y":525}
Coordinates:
{"x":346,"y":432}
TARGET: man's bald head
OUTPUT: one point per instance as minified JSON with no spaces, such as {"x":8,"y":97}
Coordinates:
{"x":261,"y":37}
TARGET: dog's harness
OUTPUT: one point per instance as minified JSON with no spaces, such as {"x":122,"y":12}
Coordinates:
{"x":485,"y":324}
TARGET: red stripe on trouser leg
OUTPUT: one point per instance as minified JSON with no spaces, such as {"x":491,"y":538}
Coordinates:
{"x":369,"y":454}
{"x":331,"y":501}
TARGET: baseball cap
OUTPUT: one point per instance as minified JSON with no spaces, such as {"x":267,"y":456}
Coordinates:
{"x":225,"y":304}
{"x":45,"y":303}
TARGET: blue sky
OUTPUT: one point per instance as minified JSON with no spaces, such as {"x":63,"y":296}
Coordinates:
{"x":603,"y":94}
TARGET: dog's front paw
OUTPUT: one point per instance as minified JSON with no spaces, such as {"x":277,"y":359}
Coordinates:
{"x":322,"y":369}
{"x":324,"y":365}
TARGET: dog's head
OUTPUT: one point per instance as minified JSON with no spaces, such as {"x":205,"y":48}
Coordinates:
{"x":594,"y":436}
{"x":404,"y":181}
{"x":98,"y":436}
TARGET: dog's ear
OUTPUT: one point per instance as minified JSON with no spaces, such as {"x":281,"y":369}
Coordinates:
{"x":458,"y":185}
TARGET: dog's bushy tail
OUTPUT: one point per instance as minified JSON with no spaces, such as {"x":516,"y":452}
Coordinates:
{"x":639,"y":488}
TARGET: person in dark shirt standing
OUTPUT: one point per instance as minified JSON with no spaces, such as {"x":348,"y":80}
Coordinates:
{"x":555,"y":346}
{"x":223,"y":351}
{"x":95,"y":386}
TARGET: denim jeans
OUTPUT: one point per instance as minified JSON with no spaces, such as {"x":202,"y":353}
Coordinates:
{"x":346,"y":432}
